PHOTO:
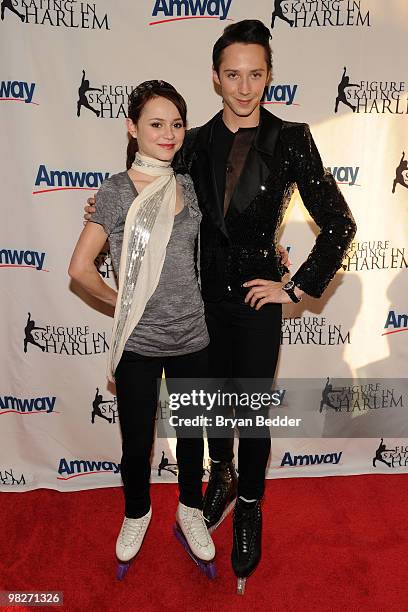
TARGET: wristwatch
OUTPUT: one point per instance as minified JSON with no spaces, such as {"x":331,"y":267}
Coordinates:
{"x":289,"y":288}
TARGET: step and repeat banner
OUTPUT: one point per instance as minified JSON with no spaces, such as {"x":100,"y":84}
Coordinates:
{"x":67,"y":68}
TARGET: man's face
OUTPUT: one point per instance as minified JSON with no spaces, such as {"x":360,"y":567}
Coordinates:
{"x":243,"y":75}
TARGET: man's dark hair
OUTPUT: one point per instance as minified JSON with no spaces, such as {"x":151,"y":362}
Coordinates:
{"x":248,"y":31}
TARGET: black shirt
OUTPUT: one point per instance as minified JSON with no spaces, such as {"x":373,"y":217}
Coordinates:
{"x":223,"y":145}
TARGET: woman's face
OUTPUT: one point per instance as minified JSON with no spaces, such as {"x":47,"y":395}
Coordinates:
{"x":159,"y":129}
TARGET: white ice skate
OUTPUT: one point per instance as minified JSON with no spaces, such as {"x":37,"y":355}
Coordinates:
{"x":130,"y":540}
{"x":190,"y":529}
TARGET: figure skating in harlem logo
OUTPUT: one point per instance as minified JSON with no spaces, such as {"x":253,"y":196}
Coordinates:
{"x":401,"y":174}
{"x":320,"y":13}
{"x":28,"y":330}
{"x":84,"y":88}
{"x":365,"y":395}
{"x":165,"y":466}
{"x":102,"y":408}
{"x":74,"y":340}
{"x":313,"y":330}
{"x":108,"y":101}
{"x":8,"y":4}
{"x":375,"y":254}
{"x":391,"y":457}
{"x":57,"y":13}
{"x":341,"y":92}
{"x":380,"y":96}
{"x":7,"y":477}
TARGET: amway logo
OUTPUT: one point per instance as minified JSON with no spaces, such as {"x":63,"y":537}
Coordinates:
{"x":280,"y":94}
{"x":17,"y":91}
{"x":190,"y":9}
{"x":35,"y":405}
{"x":295,"y":460}
{"x":57,"y":180}
{"x":345,"y":175}
{"x":399,"y":323}
{"x":22,"y":259}
{"x":82,"y":467}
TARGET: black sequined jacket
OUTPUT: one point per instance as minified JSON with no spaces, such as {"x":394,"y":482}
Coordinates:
{"x":242,"y":246}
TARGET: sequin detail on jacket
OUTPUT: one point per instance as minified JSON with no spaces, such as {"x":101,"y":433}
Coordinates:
{"x":242,"y":246}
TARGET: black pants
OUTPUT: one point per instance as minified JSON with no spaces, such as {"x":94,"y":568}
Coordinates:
{"x":244,"y":343}
{"x":136,"y":387}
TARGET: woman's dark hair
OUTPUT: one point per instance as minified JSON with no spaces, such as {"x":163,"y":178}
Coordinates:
{"x":137,"y":100}
{"x":248,"y":31}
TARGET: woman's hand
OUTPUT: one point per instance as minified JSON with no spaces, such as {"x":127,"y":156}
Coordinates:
{"x":284,"y":255}
{"x":89,"y":209}
{"x":267,"y":292}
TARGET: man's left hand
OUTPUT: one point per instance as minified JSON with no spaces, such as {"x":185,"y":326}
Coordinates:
{"x":263,"y":291}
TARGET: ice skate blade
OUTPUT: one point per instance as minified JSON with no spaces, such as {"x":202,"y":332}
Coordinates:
{"x":207,"y":567}
{"x":122,"y":569}
{"x":224,"y":515}
{"x":241,"y":586}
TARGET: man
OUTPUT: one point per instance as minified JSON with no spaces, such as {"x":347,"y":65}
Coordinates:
{"x":245,"y":163}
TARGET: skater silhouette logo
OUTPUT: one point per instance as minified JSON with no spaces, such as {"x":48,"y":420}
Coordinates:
{"x":165,"y":466}
{"x":319,"y":13}
{"x":70,"y":14}
{"x":401,"y":173}
{"x":343,"y":93}
{"x":29,"y":337}
{"x":7,"y":5}
{"x":104,"y":409}
{"x":330,"y":397}
{"x":83,"y":101}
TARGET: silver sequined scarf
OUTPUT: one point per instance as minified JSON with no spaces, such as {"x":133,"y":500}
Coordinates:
{"x":148,"y":226}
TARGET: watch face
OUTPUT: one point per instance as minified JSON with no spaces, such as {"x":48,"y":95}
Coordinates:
{"x":289,"y":285}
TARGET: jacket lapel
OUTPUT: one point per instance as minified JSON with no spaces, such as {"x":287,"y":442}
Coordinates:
{"x":203,"y":173}
{"x":257,"y":165}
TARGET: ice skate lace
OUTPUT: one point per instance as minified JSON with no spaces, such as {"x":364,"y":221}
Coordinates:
{"x":246,"y":523}
{"x":196,"y":527}
{"x":132,"y":529}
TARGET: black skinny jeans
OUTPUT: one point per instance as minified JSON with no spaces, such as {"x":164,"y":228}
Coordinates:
{"x":136,"y":387}
{"x":244,"y":343}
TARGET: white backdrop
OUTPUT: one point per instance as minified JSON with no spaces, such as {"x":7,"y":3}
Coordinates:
{"x":52,"y":160}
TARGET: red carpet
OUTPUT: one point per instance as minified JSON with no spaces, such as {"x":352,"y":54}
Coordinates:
{"x":330,"y":544}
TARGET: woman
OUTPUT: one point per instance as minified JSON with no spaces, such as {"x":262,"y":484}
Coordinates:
{"x":151,"y":218}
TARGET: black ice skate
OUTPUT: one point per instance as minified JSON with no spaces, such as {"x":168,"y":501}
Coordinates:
{"x":247,"y":540}
{"x":220,"y":495}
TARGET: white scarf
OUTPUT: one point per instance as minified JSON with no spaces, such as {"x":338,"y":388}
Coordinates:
{"x":148,"y":226}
